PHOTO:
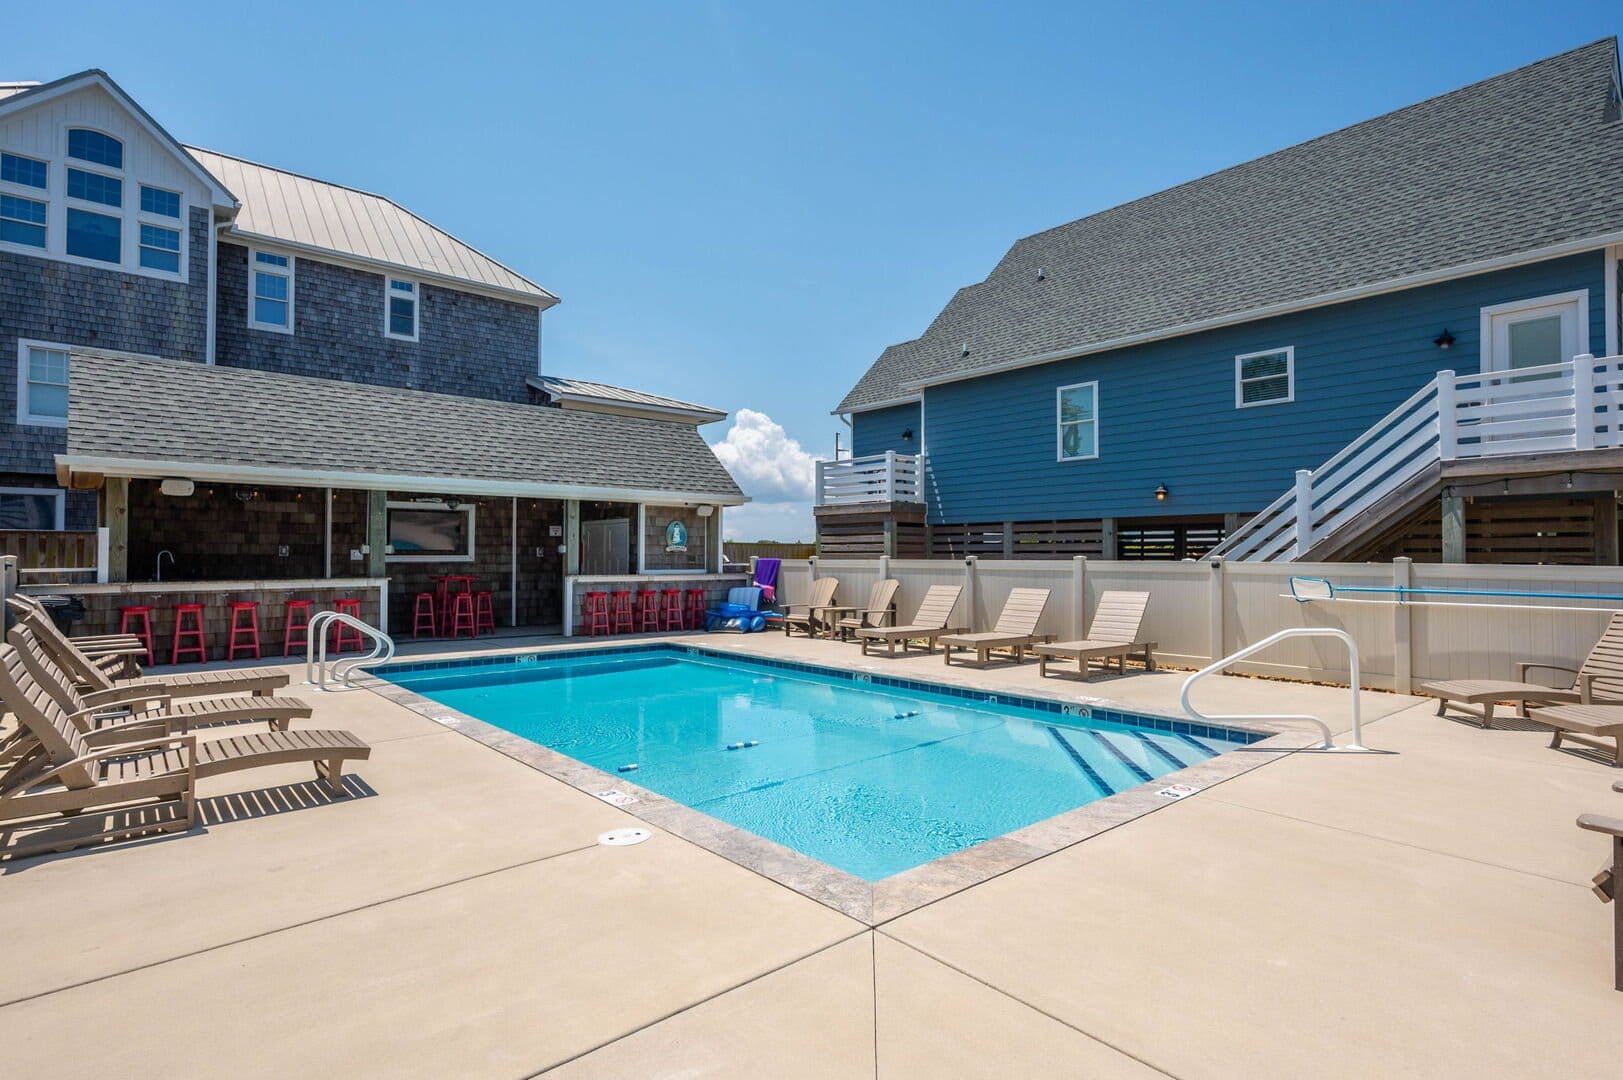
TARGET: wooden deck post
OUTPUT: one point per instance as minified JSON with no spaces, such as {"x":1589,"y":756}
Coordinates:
{"x":571,"y":537}
{"x":1008,"y":539}
{"x":115,"y":514}
{"x":1107,"y":538}
{"x":1606,"y":545}
{"x":377,"y":534}
{"x":1453,"y":508}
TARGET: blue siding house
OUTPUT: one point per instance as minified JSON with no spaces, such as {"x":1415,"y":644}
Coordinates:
{"x":1143,"y":381}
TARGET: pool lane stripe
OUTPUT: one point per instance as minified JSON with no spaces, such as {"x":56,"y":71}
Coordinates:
{"x":1137,"y":769}
{"x":1081,"y":762}
{"x":1160,"y":751}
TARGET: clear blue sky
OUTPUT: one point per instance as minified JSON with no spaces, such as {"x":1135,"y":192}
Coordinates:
{"x":742,"y":204}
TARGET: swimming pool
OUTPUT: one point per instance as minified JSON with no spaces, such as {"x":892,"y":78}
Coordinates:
{"x":872,"y":775}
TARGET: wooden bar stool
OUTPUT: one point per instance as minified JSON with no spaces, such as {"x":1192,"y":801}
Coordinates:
{"x":137,"y":620}
{"x":484,"y":612}
{"x":188,"y":639}
{"x":620,"y":612}
{"x":344,"y":636}
{"x":648,"y":610}
{"x":244,"y":633}
{"x":462,"y":616}
{"x":296,"y":625}
{"x":423,"y":616}
{"x":594,"y":610}
{"x":693,"y":609}
{"x":670,"y":603}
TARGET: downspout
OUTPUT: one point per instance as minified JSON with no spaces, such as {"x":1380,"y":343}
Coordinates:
{"x":214,"y":251}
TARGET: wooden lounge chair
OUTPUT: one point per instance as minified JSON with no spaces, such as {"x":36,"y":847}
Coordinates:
{"x":929,"y":623}
{"x":1608,"y":884}
{"x":1016,"y":629}
{"x":114,"y":653}
{"x":1113,"y":633}
{"x":93,"y":674}
{"x":1599,"y":679}
{"x":136,"y":785}
{"x":1586,"y":725}
{"x":880,"y":610}
{"x":812,"y":616}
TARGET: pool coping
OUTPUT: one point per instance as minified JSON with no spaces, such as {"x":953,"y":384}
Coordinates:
{"x":870,"y":902}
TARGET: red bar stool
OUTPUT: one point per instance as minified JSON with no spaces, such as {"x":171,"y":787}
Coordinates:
{"x":345,"y":637}
{"x":620,"y":612}
{"x":693,"y":609}
{"x":594,"y":610}
{"x":444,"y":586}
{"x":296,"y":625}
{"x":670,"y":603}
{"x":484,"y":612}
{"x":648,"y":610}
{"x":188,"y":639}
{"x":462,"y":616}
{"x":137,"y":620}
{"x":248,"y":630}
{"x":423,"y":616}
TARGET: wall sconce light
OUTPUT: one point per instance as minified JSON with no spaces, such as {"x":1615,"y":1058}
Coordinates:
{"x":907,"y":435}
{"x":1444,"y":340}
{"x":1161,"y":493}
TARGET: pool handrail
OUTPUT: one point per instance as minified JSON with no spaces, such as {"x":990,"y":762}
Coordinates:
{"x":316,"y":668}
{"x":1357,"y":743}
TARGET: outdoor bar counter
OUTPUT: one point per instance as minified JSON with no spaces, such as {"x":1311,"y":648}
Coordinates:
{"x":715,"y":588}
{"x":103,"y":602}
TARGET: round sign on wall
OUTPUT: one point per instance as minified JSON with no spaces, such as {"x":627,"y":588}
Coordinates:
{"x":676,"y":536}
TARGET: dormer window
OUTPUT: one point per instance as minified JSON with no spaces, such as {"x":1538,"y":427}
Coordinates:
{"x":95,"y":147}
{"x":400,"y":309}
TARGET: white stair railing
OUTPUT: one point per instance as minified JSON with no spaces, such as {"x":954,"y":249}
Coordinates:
{"x":1329,"y":743}
{"x":317,"y":670}
{"x":1572,"y":406}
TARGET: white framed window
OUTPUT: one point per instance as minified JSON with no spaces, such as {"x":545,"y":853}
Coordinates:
{"x":400,"y":302}
{"x":1076,"y":410}
{"x":42,"y":384}
{"x":24,"y":189}
{"x":1265,"y":378}
{"x":270,"y":291}
{"x":34,"y":509}
{"x":429,"y":532}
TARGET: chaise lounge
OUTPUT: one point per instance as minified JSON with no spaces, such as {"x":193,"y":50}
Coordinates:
{"x":1586,"y":725}
{"x":1114,"y":633}
{"x":928,"y":625}
{"x":1599,"y":679}
{"x":1016,"y":629}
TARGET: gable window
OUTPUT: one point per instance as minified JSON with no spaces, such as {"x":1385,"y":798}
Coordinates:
{"x":96,"y":188}
{"x":34,"y":509}
{"x":430,"y":532}
{"x":96,"y":148}
{"x":22,"y":221}
{"x":1265,"y":378}
{"x":1077,"y":407}
{"x":42,"y":384}
{"x":160,"y":248}
{"x":270,"y":291}
{"x":160,"y":202}
{"x":400,"y":309}
{"x":16,"y":169}
{"x":94,"y":236}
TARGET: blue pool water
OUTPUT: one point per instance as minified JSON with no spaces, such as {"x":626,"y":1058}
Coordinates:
{"x":872,"y":779}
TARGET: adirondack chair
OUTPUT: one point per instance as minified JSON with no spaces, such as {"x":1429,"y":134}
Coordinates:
{"x":879,"y":610}
{"x":811,"y":618}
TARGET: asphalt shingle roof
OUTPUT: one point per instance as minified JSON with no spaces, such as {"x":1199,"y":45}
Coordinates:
{"x":1518,"y":162}
{"x":133,"y":409}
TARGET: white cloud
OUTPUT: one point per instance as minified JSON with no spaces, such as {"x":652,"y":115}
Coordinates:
{"x":777,"y":474}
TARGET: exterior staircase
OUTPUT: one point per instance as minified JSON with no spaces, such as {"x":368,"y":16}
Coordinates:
{"x":1537,"y":419}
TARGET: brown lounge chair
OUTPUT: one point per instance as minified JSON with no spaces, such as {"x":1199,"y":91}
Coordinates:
{"x":1016,"y":629}
{"x":811,"y":617}
{"x":114,"y":653}
{"x":880,"y":610}
{"x":1608,"y":884}
{"x":1600,"y":679}
{"x":92,"y":674}
{"x":135,"y":782}
{"x":1586,"y":725}
{"x":1113,"y":633}
{"x":929,"y":623}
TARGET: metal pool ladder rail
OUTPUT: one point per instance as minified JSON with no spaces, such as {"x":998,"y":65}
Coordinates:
{"x":1289,"y":632}
{"x":316,"y":667}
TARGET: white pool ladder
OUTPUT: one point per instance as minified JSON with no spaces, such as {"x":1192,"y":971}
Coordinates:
{"x":317,"y":669}
{"x":1357,"y":743}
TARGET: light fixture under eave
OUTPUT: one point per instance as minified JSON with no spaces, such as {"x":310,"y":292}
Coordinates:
{"x":1161,"y":493}
{"x":177,"y":486}
{"x":1445,"y":340}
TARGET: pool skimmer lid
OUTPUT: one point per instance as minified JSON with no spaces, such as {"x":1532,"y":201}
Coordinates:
{"x":623,"y":837}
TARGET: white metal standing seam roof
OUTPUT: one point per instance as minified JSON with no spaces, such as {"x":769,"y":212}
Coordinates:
{"x":280,"y":205}
{"x":560,"y":387}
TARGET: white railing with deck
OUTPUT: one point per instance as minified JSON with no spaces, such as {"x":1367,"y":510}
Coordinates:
{"x":875,"y":478}
{"x":1574,"y":406}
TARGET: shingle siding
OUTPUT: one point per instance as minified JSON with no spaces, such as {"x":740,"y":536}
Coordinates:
{"x":879,"y":430}
{"x":47,"y":300}
{"x":469,"y":345}
{"x":1167,"y":415}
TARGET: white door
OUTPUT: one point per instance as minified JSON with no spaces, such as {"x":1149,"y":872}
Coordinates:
{"x":1533,"y":334}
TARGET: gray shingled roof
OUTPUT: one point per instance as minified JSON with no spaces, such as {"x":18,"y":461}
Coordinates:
{"x":1516,"y":163}
{"x":132,"y":410}
{"x":559,"y":387}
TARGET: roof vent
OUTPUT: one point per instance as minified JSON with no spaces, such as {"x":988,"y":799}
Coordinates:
{"x":1042,"y":275}
{"x":965,"y":349}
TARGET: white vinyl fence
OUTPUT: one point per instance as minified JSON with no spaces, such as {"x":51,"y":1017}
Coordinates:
{"x":1201,"y":611}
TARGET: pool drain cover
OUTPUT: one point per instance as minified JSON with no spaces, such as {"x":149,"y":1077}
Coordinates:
{"x":623,"y":837}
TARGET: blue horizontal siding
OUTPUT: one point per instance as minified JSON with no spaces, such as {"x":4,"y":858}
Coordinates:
{"x":1167,"y":415}
{"x":880,"y":430}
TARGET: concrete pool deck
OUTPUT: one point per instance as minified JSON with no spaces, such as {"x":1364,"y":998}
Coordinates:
{"x":1423,"y":912}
